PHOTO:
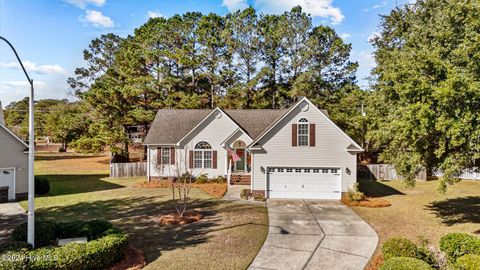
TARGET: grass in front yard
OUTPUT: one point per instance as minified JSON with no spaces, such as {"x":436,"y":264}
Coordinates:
{"x":228,"y":237}
{"x":422,"y":211}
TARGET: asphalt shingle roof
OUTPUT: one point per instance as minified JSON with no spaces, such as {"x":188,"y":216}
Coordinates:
{"x":171,"y":125}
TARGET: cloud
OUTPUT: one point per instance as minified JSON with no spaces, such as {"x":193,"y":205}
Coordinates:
{"x":234,"y":5}
{"x":376,"y":6}
{"x":13,"y":90}
{"x":154,"y":14}
{"x":32,"y":67}
{"x":17,"y":85}
{"x":366,"y":62}
{"x":97,"y":19}
{"x":317,"y":8}
{"x":84,"y":3}
{"x":345,"y":36}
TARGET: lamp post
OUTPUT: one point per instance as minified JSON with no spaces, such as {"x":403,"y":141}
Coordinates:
{"x":31,"y":155}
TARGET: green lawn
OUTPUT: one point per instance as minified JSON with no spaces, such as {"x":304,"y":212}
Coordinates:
{"x":231,"y":233}
{"x":422,"y":211}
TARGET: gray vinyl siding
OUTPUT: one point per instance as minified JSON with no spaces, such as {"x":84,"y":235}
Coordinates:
{"x":329,"y":150}
{"x":214,"y":131}
{"x":12,"y":156}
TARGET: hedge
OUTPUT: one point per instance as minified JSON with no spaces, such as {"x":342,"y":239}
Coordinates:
{"x":107,"y":246}
{"x":404,"y":263}
{"x":468,"y":262}
{"x":456,"y":245}
{"x":399,"y":247}
{"x":45,"y":233}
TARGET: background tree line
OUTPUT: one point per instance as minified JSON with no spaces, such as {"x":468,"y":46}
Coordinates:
{"x":241,"y":60}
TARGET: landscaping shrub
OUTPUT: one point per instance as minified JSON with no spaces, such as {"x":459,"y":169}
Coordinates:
{"x":456,"y":245}
{"x":201,"y":179}
{"x":91,"y":229}
{"x":468,"y":262}
{"x":245,"y":193}
{"x":355,"y":195}
{"x":42,"y":186}
{"x":13,"y":246}
{"x":399,"y":247}
{"x":45,"y":233}
{"x":405,"y":263}
{"x":96,"y":254}
{"x":220,"y":179}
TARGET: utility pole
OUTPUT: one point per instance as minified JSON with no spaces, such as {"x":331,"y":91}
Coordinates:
{"x":31,"y":154}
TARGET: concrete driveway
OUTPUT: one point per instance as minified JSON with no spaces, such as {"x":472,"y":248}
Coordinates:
{"x":308,"y":234}
{"x":11,"y":214}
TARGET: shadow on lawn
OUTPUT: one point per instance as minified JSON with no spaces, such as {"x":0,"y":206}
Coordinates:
{"x":8,"y":223}
{"x":373,"y":188}
{"x":457,"y":210}
{"x":139,"y":217}
{"x":78,"y":183}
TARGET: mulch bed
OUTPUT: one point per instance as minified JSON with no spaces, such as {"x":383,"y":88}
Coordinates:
{"x":375,"y":263}
{"x":175,"y":219}
{"x":368,"y":202}
{"x":133,"y":260}
{"x":216,"y":190}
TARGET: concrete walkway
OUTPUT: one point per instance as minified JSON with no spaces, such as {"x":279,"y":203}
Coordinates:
{"x":233,"y":192}
{"x":11,"y":214}
{"x":308,"y":234}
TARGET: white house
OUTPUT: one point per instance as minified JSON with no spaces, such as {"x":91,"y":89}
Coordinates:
{"x":13,"y":162}
{"x":289,"y":153}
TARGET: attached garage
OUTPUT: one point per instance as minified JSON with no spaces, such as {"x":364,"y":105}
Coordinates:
{"x":304,"y":183}
{"x":7,"y":180}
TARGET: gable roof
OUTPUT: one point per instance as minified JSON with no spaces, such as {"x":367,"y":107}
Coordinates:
{"x":322,"y":112}
{"x":170,"y":126}
{"x":255,"y":121}
{"x":2,"y":126}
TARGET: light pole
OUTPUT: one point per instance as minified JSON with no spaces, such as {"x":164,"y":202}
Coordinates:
{"x":31,"y":155}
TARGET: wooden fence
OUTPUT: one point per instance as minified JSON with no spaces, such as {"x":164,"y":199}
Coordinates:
{"x":118,"y":170}
{"x":383,"y":172}
{"x":467,"y":174}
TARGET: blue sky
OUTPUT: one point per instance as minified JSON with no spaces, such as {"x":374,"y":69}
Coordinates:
{"x":50,"y":35}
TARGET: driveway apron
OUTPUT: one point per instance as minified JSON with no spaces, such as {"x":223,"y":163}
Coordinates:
{"x":312,"y":234}
{"x":11,"y":214}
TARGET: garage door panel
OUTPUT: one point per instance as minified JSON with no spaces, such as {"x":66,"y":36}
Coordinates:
{"x":7,"y":178}
{"x":304,"y":183}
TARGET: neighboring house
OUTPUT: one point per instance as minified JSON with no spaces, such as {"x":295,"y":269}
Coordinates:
{"x":291,"y":153}
{"x":136,"y":133}
{"x":13,"y":162}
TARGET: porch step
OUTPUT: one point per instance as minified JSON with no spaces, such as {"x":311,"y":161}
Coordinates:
{"x":240,"y":179}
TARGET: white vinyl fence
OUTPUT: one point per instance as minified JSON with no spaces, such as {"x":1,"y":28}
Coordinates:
{"x":467,"y":174}
{"x":119,"y":170}
{"x":383,"y":172}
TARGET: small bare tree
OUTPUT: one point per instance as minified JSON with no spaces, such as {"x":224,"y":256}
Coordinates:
{"x":180,"y":180}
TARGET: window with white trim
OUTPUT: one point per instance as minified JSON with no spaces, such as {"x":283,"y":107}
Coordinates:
{"x":303,"y":132}
{"x":202,"y":156}
{"x":165,"y":155}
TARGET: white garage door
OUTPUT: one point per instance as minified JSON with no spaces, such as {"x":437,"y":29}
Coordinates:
{"x":7,"y":179}
{"x":304,"y":183}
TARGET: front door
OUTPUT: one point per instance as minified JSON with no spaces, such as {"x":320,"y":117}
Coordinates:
{"x":240,"y":164}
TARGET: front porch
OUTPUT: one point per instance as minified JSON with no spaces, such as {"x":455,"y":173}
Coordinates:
{"x":240,"y":178}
